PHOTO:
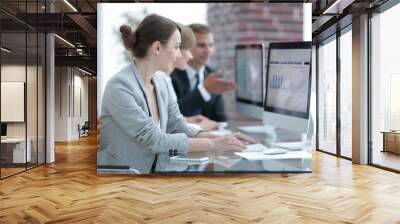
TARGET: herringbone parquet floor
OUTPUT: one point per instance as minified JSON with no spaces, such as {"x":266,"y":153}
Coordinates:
{"x":70,"y":191}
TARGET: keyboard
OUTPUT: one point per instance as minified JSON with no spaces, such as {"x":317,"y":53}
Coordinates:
{"x":265,"y":150}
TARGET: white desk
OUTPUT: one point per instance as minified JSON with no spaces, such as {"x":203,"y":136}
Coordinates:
{"x":299,"y":161}
{"x":18,"y":149}
{"x":229,"y":162}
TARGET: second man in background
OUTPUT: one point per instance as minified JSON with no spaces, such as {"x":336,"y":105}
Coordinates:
{"x":198,"y":87}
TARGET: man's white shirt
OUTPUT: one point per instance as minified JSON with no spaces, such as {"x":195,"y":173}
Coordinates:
{"x":191,"y":73}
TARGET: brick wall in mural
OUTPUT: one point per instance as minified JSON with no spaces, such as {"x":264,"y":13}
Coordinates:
{"x":236,"y":23}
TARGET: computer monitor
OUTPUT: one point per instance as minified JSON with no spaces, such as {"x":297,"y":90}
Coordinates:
{"x":249,"y":72}
{"x":288,"y":86}
{"x":3,"y":130}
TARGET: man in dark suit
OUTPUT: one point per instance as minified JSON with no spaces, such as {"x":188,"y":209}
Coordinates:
{"x":198,"y":87}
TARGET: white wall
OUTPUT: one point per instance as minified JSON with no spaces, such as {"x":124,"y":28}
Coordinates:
{"x":69,"y":82}
{"x":80,"y":83}
{"x":12,"y":101}
{"x":33,"y":126}
{"x":16,"y":73}
{"x":62,"y":81}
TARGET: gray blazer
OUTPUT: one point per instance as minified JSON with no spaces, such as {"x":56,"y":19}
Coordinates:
{"x":128,"y":135}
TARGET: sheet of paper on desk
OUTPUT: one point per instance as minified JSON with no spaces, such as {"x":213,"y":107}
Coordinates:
{"x":261,"y":156}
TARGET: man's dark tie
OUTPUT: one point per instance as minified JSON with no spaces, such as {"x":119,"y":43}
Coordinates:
{"x":197,"y":80}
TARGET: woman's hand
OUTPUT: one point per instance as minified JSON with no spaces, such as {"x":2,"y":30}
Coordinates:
{"x":207,"y":124}
{"x":244,"y":138}
{"x":227,"y":143}
{"x":208,"y":142}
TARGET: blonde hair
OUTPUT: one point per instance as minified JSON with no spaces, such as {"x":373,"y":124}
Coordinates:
{"x":187,"y":37}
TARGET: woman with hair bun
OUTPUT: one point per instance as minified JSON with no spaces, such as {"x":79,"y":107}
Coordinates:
{"x":140,"y":121}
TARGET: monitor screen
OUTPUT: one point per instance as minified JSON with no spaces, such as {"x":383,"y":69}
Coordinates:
{"x":288,"y":85}
{"x":3,"y":129}
{"x":249,"y":73}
